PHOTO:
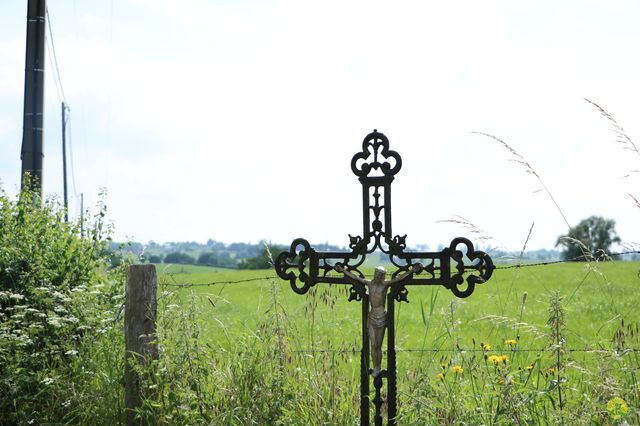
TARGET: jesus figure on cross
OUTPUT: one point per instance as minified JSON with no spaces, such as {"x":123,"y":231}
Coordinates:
{"x":377,"y":318}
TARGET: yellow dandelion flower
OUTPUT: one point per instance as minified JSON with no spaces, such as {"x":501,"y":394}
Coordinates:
{"x":617,"y":408}
{"x":485,"y":346}
{"x":552,"y":370}
{"x":457,"y":369}
{"x":510,"y":342}
{"x":440,"y":376}
{"x":495,"y":359}
{"x":504,"y":358}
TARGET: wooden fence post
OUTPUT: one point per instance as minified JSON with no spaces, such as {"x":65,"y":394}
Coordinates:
{"x":139,"y":331}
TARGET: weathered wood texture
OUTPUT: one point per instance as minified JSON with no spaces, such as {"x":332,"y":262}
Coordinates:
{"x":139,"y":331}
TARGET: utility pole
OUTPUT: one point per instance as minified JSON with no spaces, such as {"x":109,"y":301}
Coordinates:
{"x":81,"y":214}
{"x":65,"y":109}
{"x":31,"y":153}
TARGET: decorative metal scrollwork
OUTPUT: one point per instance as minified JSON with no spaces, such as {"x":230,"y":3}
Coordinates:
{"x":356,"y":292}
{"x":399,"y":244}
{"x":401,"y":294}
{"x":357,"y":244}
{"x":482,"y":264}
{"x":296,"y":260}
{"x":376,"y":144}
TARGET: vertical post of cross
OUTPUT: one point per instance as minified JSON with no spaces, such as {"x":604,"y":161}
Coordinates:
{"x":364,"y":365}
{"x":391,"y":360}
{"x":376,"y":176}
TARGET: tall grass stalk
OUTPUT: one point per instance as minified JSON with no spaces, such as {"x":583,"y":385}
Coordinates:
{"x":519,"y":159}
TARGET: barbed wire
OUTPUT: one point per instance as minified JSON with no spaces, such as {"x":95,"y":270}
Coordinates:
{"x":246,"y":280}
{"x":506,"y":351}
{"x":525,"y":265}
{"x":489,"y":353}
{"x":618,"y":352}
{"x":599,"y":258}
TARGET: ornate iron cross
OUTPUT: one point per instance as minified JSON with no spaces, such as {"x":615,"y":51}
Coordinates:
{"x":304,"y":267}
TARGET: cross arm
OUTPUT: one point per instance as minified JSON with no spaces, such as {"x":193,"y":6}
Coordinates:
{"x":447,"y":267}
{"x":304,"y":267}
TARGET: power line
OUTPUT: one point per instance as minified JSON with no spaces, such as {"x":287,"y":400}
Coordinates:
{"x":56,"y":76}
{"x":61,"y":96}
{"x":55,"y":81}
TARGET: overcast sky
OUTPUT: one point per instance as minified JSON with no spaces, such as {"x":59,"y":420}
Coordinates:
{"x":237,"y":120}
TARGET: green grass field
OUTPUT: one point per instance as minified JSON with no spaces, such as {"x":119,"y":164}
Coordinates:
{"x":556,"y":372}
{"x":596,"y":299}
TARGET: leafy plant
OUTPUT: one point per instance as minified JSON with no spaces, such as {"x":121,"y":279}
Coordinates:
{"x":54,"y":298}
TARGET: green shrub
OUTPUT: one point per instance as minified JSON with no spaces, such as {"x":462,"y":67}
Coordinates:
{"x":56,"y":298}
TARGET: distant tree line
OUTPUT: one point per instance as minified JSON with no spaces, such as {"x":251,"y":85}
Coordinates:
{"x":212,"y":253}
{"x":591,"y":238}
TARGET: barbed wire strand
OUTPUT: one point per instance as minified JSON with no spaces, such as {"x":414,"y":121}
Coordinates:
{"x":526,"y":265}
{"x":218,"y":282}
{"x":604,"y":256}
{"x":488,"y":353}
{"x":622,"y":351}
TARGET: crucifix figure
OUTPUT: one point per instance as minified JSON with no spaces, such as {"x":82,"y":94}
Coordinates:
{"x":304,"y":267}
{"x":377,"y":318}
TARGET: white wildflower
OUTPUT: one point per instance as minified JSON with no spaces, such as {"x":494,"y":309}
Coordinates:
{"x":54,"y":321}
{"x":23,"y":340}
{"x":71,"y":319}
{"x":47,"y":381}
